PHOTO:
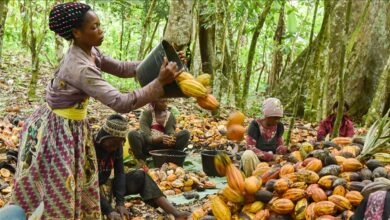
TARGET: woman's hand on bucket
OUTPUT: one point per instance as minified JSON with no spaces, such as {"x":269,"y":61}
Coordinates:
{"x":168,"y":72}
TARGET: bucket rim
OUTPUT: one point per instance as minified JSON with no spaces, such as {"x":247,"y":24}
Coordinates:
{"x":207,"y":152}
{"x":161,"y":152}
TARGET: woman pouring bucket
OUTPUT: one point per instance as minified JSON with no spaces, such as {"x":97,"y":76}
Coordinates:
{"x":57,"y":162}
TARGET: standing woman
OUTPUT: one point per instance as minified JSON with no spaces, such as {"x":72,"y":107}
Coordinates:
{"x":57,"y":161}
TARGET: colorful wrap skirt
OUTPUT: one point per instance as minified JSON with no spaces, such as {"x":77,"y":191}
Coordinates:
{"x":57,"y":167}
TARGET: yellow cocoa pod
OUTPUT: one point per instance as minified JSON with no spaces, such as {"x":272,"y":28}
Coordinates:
{"x":300,"y":209}
{"x":192,"y":88}
{"x":220,"y":210}
{"x":282,"y":206}
{"x":208,"y":102}
{"x":205,"y":79}
{"x":184,"y":76}
{"x":232,"y":195}
{"x":341,"y":202}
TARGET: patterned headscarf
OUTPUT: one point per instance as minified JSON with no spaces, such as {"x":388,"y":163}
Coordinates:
{"x":64,"y":17}
{"x":115,"y":126}
{"x":272,"y":107}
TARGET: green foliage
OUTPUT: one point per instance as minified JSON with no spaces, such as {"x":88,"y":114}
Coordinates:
{"x":133,"y":12}
{"x":292,"y":22}
{"x":378,"y":137}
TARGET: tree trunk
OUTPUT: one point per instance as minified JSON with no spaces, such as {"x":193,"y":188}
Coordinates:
{"x":128,"y":38}
{"x":235,"y":55}
{"x":127,"y":44}
{"x":34,"y":75}
{"x":325,"y":87}
{"x":35,"y":44}
{"x":122,"y":32}
{"x":3,"y":17}
{"x":34,"y":57}
{"x":277,"y":56}
{"x":59,"y":43}
{"x":24,"y":16}
{"x":369,"y":45}
{"x":314,"y":85}
{"x":145,"y":28}
{"x":220,"y":36}
{"x":382,"y":94}
{"x":226,"y":88}
{"x":368,"y":57}
{"x":252,"y":50}
{"x":259,"y":79}
{"x":286,"y":63}
{"x":342,"y":29}
{"x":179,"y":28}
{"x":352,"y":41}
{"x":194,"y":68}
{"x":149,"y":47}
{"x":302,"y":76}
{"x":59,"y":48}
{"x":206,"y":41}
{"x":227,"y":85}
{"x":165,"y":26}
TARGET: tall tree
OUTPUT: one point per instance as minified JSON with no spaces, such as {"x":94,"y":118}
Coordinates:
{"x":324,"y":105}
{"x":194,"y":65}
{"x":252,"y":50}
{"x":123,"y":16}
{"x":297,"y":97}
{"x":24,"y":16}
{"x":206,"y":37}
{"x":35,"y":43}
{"x":59,"y":42}
{"x":235,"y":55}
{"x":149,"y":47}
{"x":145,"y":28}
{"x":277,"y":56}
{"x":367,"y":51}
{"x":343,"y":28}
{"x":179,"y":27}
{"x":220,"y":36}
{"x":313,"y":107}
{"x":3,"y":17}
{"x":382,"y":95}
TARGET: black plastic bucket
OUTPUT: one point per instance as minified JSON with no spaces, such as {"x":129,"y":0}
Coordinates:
{"x":149,"y":69}
{"x":208,"y":162}
{"x":167,"y":155}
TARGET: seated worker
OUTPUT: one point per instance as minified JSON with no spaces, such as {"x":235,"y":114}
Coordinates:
{"x":265,"y":136}
{"x":109,"y":151}
{"x":157,"y":131}
{"x":326,"y":125}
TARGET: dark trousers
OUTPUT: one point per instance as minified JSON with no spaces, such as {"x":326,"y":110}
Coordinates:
{"x":141,"y":149}
{"x":139,"y":182}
